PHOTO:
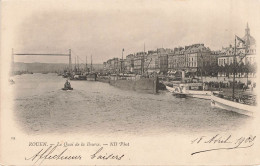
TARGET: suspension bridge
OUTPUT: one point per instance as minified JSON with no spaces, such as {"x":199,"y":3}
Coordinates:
{"x":44,"y":54}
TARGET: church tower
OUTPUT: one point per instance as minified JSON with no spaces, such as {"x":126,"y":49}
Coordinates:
{"x":247,"y":35}
{"x":247,"y":30}
{"x":250,"y":42}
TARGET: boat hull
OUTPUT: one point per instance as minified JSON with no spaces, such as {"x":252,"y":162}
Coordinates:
{"x":180,"y":95}
{"x":67,"y":88}
{"x":192,"y":93}
{"x":232,"y":106}
{"x":199,"y":94}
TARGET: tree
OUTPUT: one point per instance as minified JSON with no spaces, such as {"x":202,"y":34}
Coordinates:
{"x":228,"y":69}
{"x":214,"y":70}
{"x":241,"y":68}
{"x":207,"y":69}
{"x":221,"y":69}
{"x":246,"y":70}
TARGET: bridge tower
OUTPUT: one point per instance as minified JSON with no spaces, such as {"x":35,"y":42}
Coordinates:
{"x":70,"y":69}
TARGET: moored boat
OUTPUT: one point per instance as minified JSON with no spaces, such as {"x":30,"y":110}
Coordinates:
{"x":11,"y":81}
{"x":190,"y":90}
{"x":196,"y":90}
{"x":218,"y":100}
{"x":177,"y":91}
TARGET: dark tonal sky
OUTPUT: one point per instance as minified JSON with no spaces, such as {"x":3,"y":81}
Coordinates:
{"x":103,"y":28}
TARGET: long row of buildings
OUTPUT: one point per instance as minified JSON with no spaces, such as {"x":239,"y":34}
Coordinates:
{"x":190,"y":58}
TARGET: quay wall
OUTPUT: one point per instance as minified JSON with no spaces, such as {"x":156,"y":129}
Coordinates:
{"x":105,"y":80}
{"x":145,"y":85}
{"x":123,"y":84}
{"x":91,"y":77}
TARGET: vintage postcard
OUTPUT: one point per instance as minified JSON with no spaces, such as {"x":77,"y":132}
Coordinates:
{"x":138,"y":82}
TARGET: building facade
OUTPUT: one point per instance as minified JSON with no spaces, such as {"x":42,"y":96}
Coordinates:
{"x":139,"y":59}
{"x":190,"y":58}
{"x":129,"y":63}
{"x":151,"y":64}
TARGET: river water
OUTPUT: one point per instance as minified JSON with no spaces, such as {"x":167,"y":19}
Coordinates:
{"x":40,"y":106}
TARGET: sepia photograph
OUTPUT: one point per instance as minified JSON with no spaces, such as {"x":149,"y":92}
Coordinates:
{"x":129,"y":82}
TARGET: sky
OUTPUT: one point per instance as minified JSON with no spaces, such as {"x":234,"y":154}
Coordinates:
{"x":103,"y":28}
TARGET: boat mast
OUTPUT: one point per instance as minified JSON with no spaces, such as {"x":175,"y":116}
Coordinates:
{"x":234,"y":69}
{"x":143,"y":61}
{"x":86,"y":64}
{"x":78,"y":62}
{"x":91,"y":65}
{"x":75,"y":67}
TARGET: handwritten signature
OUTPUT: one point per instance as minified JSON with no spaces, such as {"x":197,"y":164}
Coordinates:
{"x":99,"y":155}
{"x":51,"y":153}
{"x":229,"y":142}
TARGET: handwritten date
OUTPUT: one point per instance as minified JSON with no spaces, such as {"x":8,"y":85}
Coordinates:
{"x":229,"y":142}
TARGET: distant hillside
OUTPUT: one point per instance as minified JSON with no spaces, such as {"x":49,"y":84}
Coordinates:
{"x":49,"y":67}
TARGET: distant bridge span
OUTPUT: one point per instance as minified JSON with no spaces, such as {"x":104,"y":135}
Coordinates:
{"x":24,"y":54}
{"x":46,"y":54}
